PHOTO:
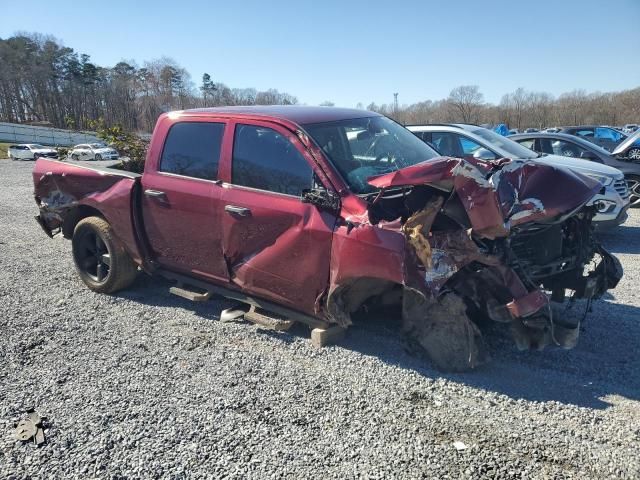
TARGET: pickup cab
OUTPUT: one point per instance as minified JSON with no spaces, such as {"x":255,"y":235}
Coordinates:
{"x":319,"y":214}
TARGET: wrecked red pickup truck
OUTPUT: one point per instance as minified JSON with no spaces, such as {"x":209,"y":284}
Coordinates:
{"x":317,"y":214}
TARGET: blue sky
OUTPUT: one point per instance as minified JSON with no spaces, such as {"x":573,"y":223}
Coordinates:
{"x":355,"y":50}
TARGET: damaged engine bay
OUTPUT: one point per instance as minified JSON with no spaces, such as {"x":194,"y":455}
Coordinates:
{"x":461,"y":271}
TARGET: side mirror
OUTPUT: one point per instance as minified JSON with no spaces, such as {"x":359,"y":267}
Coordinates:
{"x":321,"y":198}
{"x":484,"y":154}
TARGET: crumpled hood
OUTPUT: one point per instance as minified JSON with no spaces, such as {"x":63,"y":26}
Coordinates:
{"x":500,"y":194}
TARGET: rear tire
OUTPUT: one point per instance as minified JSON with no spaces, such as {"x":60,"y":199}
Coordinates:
{"x":74,"y":156}
{"x":634,"y":153}
{"x":100,"y":259}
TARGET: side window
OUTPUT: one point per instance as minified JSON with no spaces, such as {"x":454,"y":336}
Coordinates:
{"x":424,"y":136}
{"x":585,"y":132}
{"x":193,"y":149}
{"x":608,"y":134}
{"x":447,"y":144}
{"x":565,"y":149}
{"x":527,"y":143}
{"x":264,"y":159}
{"x":469,"y":146}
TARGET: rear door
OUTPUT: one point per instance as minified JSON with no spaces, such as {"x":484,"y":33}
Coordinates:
{"x":181,"y":195}
{"x":275,"y":246}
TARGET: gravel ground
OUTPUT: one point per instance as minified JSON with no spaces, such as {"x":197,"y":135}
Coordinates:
{"x":145,"y":384}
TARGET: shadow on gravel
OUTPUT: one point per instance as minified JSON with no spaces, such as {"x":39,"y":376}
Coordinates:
{"x":623,"y":239}
{"x":155,"y":292}
{"x":604,"y":363}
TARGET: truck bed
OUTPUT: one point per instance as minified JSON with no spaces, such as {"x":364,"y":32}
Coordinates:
{"x":66,"y":192}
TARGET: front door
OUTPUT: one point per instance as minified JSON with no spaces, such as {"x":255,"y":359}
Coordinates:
{"x":275,"y":246}
{"x":180,"y":201}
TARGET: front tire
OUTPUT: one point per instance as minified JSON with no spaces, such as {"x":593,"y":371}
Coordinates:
{"x":97,"y":157}
{"x":74,"y":156}
{"x":633,"y":182}
{"x":100,"y":259}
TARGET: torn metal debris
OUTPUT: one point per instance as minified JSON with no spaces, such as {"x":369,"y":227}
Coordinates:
{"x":31,"y":428}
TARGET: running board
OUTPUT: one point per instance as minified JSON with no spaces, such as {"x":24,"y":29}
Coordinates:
{"x":184,"y":283}
{"x":192,"y":295}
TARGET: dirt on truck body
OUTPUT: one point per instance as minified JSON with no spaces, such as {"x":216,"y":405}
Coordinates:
{"x":379,"y":220}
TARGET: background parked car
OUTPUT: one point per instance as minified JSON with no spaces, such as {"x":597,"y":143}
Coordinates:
{"x":607,"y":137}
{"x":573,"y":146}
{"x":630,"y":128}
{"x":462,"y":140}
{"x":31,"y":151}
{"x":93,"y":151}
{"x":629,"y":148}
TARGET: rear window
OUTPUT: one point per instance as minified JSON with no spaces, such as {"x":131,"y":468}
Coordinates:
{"x":192,"y":149}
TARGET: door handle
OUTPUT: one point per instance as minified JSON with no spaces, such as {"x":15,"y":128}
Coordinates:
{"x":241,"y":211}
{"x":154,"y":193}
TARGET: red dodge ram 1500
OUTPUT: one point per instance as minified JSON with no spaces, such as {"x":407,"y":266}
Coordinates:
{"x":318,"y":213}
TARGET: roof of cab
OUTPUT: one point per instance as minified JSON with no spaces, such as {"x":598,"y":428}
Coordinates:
{"x":294,"y":113}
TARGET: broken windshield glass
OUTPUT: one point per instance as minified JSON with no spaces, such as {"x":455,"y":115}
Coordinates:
{"x":364,"y":147}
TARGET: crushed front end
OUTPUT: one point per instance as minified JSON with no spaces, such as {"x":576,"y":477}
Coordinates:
{"x":503,"y":241}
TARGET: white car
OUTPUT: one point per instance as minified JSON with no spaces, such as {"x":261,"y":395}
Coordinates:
{"x":93,"y":151}
{"x":31,"y":151}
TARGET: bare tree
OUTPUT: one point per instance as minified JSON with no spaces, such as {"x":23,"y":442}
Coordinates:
{"x":466,"y":101}
{"x":42,"y":81}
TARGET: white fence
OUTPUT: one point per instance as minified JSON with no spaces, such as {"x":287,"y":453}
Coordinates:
{"x":15,"y":133}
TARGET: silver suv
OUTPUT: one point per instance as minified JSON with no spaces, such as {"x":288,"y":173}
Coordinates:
{"x":462,"y":140}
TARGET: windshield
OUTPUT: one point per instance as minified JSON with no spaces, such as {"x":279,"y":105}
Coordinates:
{"x":98,"y":145}
{"x":365,"y":147}
{"x":36,"y":145}
{"x":508,"y":148}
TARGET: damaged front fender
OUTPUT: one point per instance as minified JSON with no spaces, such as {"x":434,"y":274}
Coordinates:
{"x":454,"y":253}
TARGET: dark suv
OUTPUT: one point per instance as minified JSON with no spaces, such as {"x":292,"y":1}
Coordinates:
{"x":607,"y":137}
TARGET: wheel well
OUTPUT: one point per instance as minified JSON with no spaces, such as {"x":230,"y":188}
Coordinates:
{"x":75,"y":215}
{"x":346,"y":298}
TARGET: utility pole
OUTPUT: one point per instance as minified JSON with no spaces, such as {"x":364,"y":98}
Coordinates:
{"x":395,"y":103}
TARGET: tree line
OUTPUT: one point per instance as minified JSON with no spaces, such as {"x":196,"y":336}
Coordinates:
{"x":521,"y":108}
{"x":43,"y":81}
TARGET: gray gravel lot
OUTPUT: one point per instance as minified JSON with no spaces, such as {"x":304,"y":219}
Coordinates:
{"x":145,"y":384}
